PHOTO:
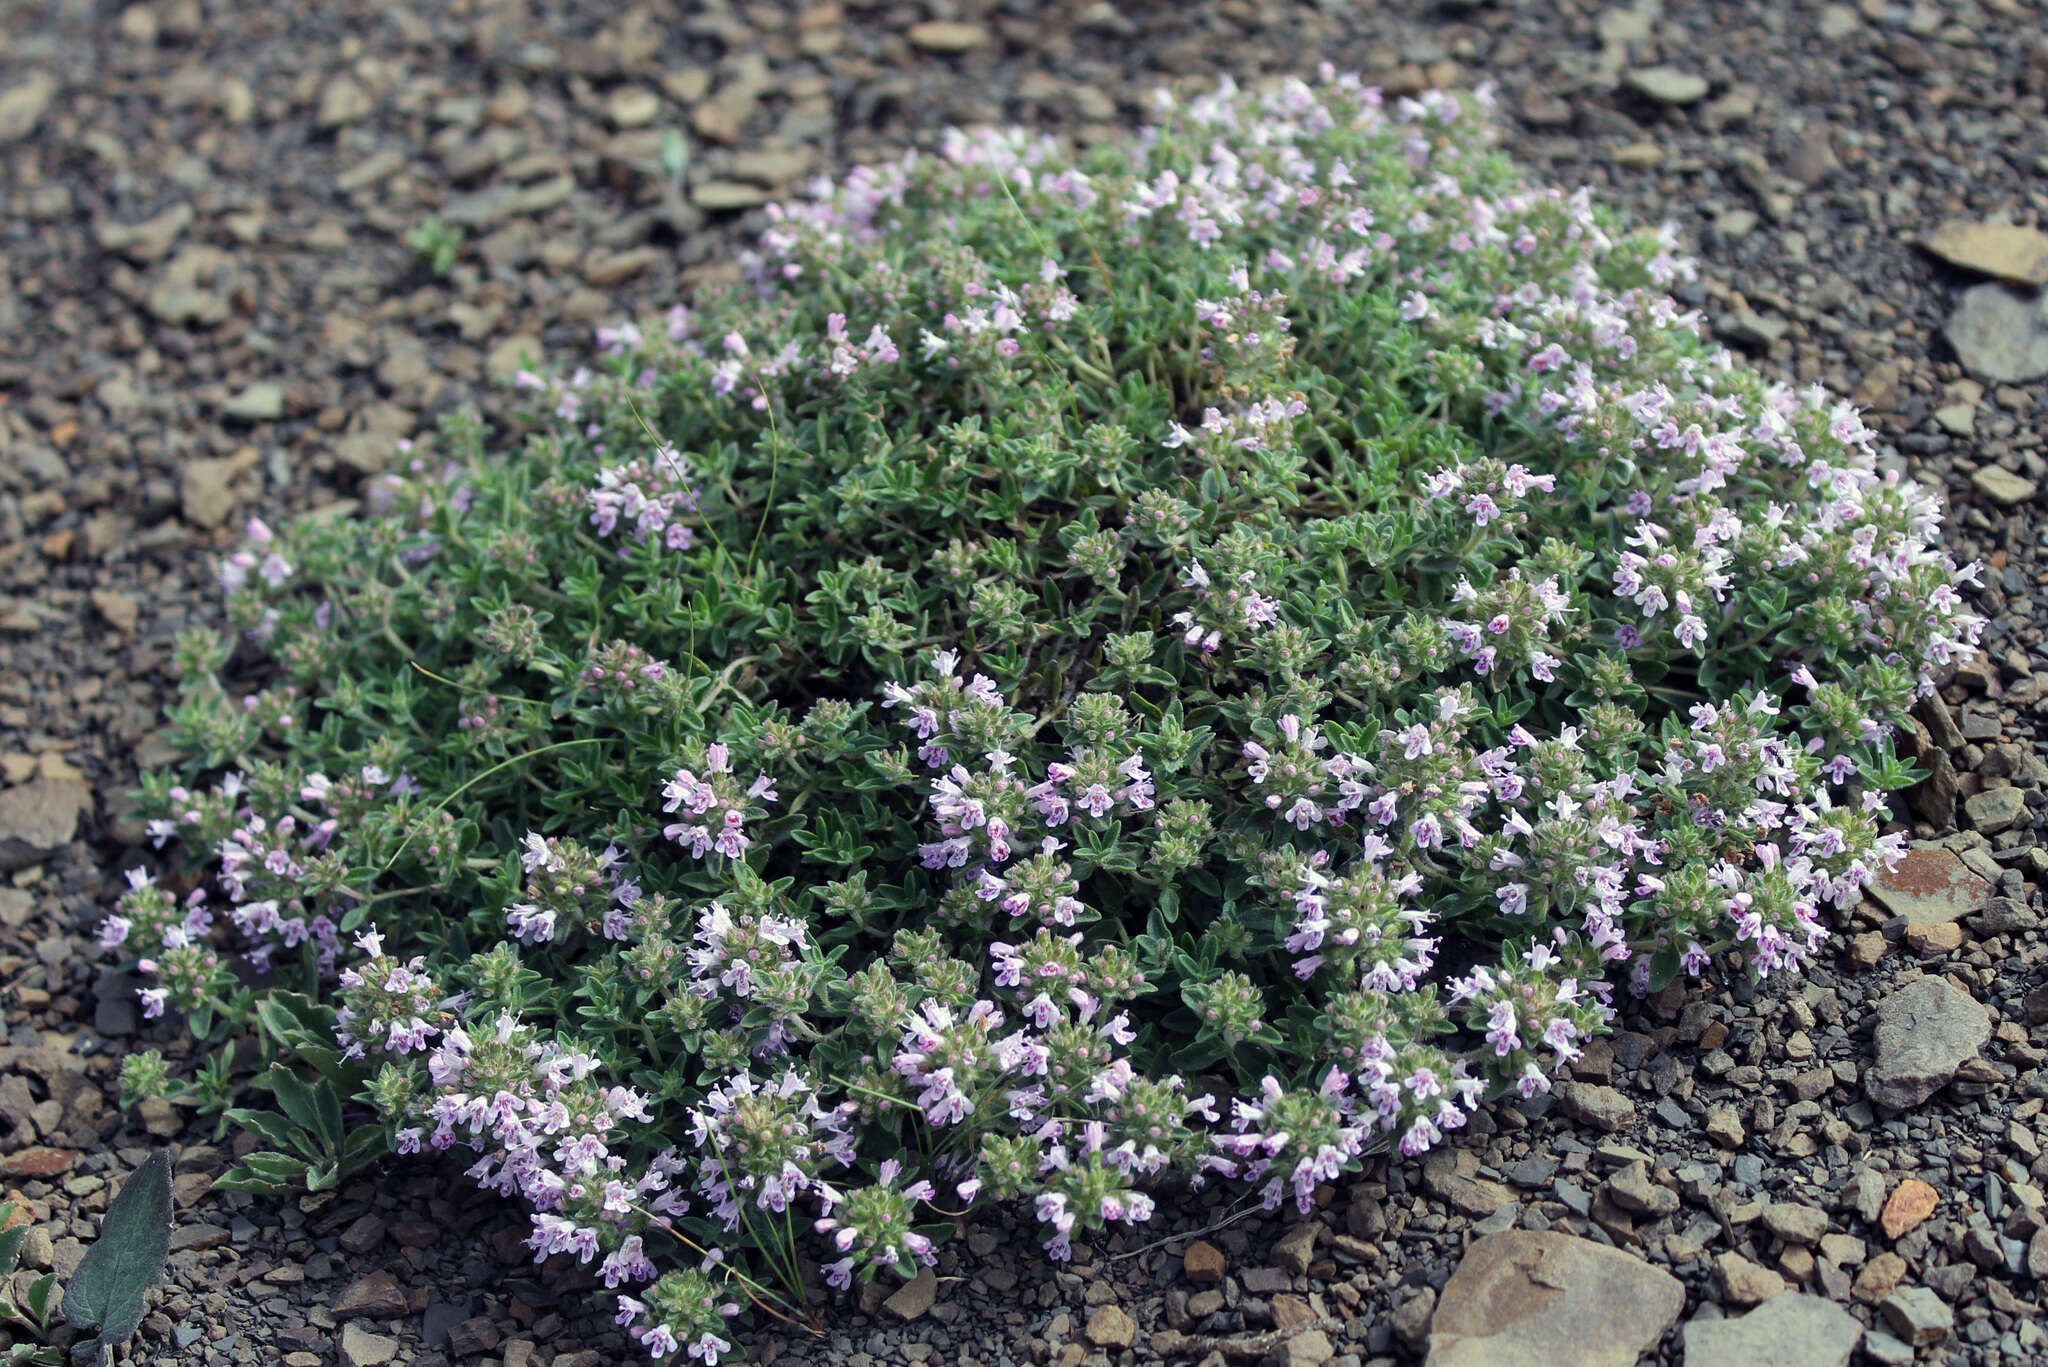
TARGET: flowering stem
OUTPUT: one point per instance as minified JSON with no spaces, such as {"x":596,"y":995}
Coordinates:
{"x":756,"y":1291}
{"x":501,"y":697}
{"x":440,"y":806}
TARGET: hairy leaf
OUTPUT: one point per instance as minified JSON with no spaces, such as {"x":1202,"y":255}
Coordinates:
{"x":107,"y":1294}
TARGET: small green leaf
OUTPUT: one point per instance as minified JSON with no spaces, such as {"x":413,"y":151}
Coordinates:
{"x":299,"y":1100}
{"x":1664,"y":967}
{"x":107,"y":1294}
{"x":39,"y":1296}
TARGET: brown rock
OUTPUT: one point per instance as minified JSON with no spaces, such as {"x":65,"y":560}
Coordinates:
{"x":1527,"y":1299}
{"x":39,"y":1161}
{"x":372,"y":1296}
{"x":1110,"y":1327}
{"x":727,"y":194}
{"x":1879,"y":1278}
{"x":1909,"y":1207}
{"x":1203,"y":1262}
{"x":1309,"y":1349}
{"x":939,"y":35}
{"x":342,"y":101}
{"x":611,"y":268}
{"x":1453,"y":1175}
{"x":39,"y":817}
{"x":1930,"y":887}
{"x":1602,"y":1107}
{"x":1928,"y":941}
{"x":1743,"y":1282}
{"x":2019,"y":255}
{"x":1294,"y":1250}
{"x":912,"y":1299}
{"x":1724,"y":1127}
{"x":119,"y":610}
{"x":22,"y":105}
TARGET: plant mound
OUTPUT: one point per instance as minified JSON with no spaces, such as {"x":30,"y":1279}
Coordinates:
{"x":1208,"y":658}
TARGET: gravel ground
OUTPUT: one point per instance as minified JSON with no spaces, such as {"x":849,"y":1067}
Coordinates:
{"x":208,"y":308}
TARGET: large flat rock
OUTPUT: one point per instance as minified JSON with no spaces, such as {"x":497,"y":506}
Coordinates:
{"x":38,"y":818}
{"x":1925,"y":1031}
{"x":1785,"y":1331}
{"x":1929,"y":887}
{"x":1528,"y":1299}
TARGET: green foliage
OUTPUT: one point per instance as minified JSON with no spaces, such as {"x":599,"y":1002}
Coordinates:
{"x":30,"y":1316}
{"x":436,"y":244}
{"x":108,"y":1293}
{"x":315,"y":1149}
{"x":1205,"y":657}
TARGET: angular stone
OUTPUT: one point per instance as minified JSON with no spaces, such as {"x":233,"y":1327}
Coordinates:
{"x":145,"y":241}
{"x":1453,"y":1175}
{"x":940,"y":35}
{"x":2002,"y":486}
{"x":372,"y":1296}
{"x":1957,"y":419}
{"x":1724,"y":1127}
{"x":1295,"y":1250}
{"x":912,"y":1299}
{"x":1527,"y":1299}
{"x":1794,"y":1223}
{"x":1995,"y":809}
{"x":2001,"y":334}
{"x":613,"y":267}
{"x":1265,"y":1281}
{"x":1632,"y":1189}
{"x":1203,"y":1263}
{"x":727,"y":194}
{"x":1928,"y":941}
{"x":1785,"y":1331}
{"x":260,"y":402}
{"x":2019,"y":255}
{"x":1909,"y":1207}
{"x":1878,"y":1278}
{"x":1601,"y":1107}
{"x":1918,"y":1316}
{"x":1412,"y":1317}
{"x":1667,"y":84}
{"x":2006,"y":916}
{"x":475,"y":1335}
{"x":632,"y":107}
{"x":1929,"y":886}
{"x":361,"y":1348}
{"x":22,"y":105}
{"x":38,"y":818}
{"x":1110,"y":1327}
{"x":38,"y":1161}
{"x":1308,"y":1349}
{"x":1743,"y":1282}
{"x":1925,"y":1031}
{"x":342,"y":101}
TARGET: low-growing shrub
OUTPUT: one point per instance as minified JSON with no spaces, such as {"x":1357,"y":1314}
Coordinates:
{"x":1207,"y":659}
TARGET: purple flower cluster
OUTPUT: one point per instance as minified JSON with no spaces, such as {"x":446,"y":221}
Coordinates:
{"x":389,"y":1005}
{"x":649,"y":498}
{"x":711,"y":791}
